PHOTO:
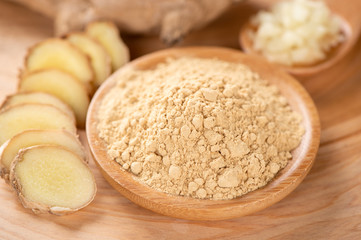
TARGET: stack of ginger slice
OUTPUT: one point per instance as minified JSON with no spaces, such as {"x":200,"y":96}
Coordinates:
{"x":41,"y":156}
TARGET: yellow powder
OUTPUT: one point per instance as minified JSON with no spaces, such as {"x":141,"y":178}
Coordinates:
{"x":202,"y":128}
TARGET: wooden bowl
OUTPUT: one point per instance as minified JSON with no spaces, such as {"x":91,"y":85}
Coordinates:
{"x":196,"y":209}
{"x":351,"y":26}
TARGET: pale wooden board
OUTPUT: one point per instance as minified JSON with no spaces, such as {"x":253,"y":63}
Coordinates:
{"x":327,"y":204}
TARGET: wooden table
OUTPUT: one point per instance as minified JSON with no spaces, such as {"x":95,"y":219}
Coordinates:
{"x":327,"y":204}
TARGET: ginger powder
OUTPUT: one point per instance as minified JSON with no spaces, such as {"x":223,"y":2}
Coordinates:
{"x":201,"y":128}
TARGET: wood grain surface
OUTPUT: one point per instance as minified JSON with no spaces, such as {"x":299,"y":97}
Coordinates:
{"x":326,"y":205}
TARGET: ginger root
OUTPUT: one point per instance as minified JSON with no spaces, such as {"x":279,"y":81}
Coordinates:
{"x":100,"y":59}
{"x":16,"y":119}
{"x":28,"y":138}
{"x":63,"y":86}
{"x":40,"y":155}
{"x":107,"y":34}
{"x":37,"y":97}
{"x":171,"y":19}
{"x":60,"y":54}
{"x":51,"y":179}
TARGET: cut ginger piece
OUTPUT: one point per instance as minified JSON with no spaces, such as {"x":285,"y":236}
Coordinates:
{"x":52,"y":179}
{"x":60,"y":54}
{"x":16,"y":119}
{"x":63,"y":86}
{"x":107,"y":34}
{"x":37,"y":97}
{"x":100,"y":59}
{"x":28,"y":138}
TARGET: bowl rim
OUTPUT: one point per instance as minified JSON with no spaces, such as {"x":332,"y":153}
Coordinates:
{"x":195,"y":209}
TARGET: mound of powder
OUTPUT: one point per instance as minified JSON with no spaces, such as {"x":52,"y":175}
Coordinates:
{"x":203,"y":128}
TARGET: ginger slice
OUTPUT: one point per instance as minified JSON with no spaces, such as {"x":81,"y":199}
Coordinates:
{"x":29,"y":138}
{"x":52,"y":179}
{"x":107,"y":34}
{"x":16,"y":119}
{"x":60,"y":54}
{"x":61,"y":85}
{"x":100,"y":59}
{"x":37,"y":97}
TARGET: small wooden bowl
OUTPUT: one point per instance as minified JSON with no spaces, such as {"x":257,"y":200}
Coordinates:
{"x":351,"y":26}
{"x":189,"y":208}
